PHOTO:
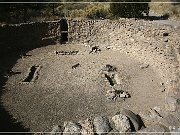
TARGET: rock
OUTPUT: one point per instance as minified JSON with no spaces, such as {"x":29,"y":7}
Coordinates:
{"x":56,"y":130}
{"x":56,"y":52}
{"x":117,"y":80}
{"x":75,"y":66}
{"x":71,"y":128}
{"x":110,"y":78}
{"x":111,"y":95}
{"x":165,"y":34}
{"x":122,"y":123}
{"x":114,"y":94}
{"x":124,"y":94}
{"x":87,"y":127}
{"x":170,"y":120}
{"x":110,"y":73}
{"x":102,"y":125}
{"x":154,"y":130}
{"x":66,"y":52}
{"x":135,"y":119}
{"x":151,"y":115}
{"x":162,"y":84}
{"x":108,"y":47}
{"x":95,"y":49}
{"x":109,"y":68}
{"x":118,"y":87}
{"x":142,"y":66}
{"x":166,"y":40}
{"x":171,"y":103}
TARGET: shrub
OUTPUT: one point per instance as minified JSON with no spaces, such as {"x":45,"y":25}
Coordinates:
{"x":129,"y":9}
{"x":77,"y":13}
{"x":97,"y":11}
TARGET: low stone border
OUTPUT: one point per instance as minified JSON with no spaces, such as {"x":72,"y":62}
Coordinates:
{"x":124,"y":121}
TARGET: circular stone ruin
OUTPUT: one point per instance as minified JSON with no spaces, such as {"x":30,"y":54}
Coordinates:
{"x":124,"y":77}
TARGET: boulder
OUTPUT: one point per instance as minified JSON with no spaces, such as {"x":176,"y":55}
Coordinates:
{"x":171,"y":103}
{"x":56,"y":130}
{"x":102,"y":125}
{"x":121,"y":123}
{"x":71,"y":128}
{"x":87,"y":127}
{"x":135,"y":119}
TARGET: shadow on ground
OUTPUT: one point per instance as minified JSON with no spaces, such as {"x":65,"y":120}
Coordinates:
{"x":154,"y":17}
{"x":7,"y":61}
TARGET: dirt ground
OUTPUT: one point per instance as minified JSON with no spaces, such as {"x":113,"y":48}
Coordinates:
{"x":62,"y":94}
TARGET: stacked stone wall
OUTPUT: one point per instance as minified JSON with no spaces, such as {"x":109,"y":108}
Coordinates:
{"x":149,"y":42}
{"x":29,"y":35}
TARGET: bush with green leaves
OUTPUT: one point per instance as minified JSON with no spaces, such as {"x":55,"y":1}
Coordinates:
{"x":129,"y":10}
{"x":77,"y":13}
{"x":97,"y":11}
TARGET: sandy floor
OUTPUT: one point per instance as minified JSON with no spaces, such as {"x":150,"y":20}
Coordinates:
{"x":61,"y":93}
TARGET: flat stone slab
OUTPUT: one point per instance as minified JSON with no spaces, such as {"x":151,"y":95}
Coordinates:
{"x":171,"y":104}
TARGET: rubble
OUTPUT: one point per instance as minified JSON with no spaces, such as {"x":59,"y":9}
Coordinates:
{"x":66,"y":52}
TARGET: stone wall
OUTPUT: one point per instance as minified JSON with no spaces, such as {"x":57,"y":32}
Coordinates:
{"x":141,"y":39}
{"x":148,"y":42}
{"x":80,"y":31}
{"x":29,"y":35}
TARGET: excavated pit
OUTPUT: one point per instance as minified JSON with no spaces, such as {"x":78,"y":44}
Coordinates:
{"x":71,"y":87}
{"x":62,"y":93}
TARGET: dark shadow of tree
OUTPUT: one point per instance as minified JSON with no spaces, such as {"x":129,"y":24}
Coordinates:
{"x":153,"y":17}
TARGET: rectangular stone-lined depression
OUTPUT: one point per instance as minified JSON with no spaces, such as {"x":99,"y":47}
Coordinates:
{"x":32,"y":74}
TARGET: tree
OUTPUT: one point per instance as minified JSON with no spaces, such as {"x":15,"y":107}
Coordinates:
{"x":16,"y":12}
{"x":24,"y":12}
{"x":129,"y":10}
